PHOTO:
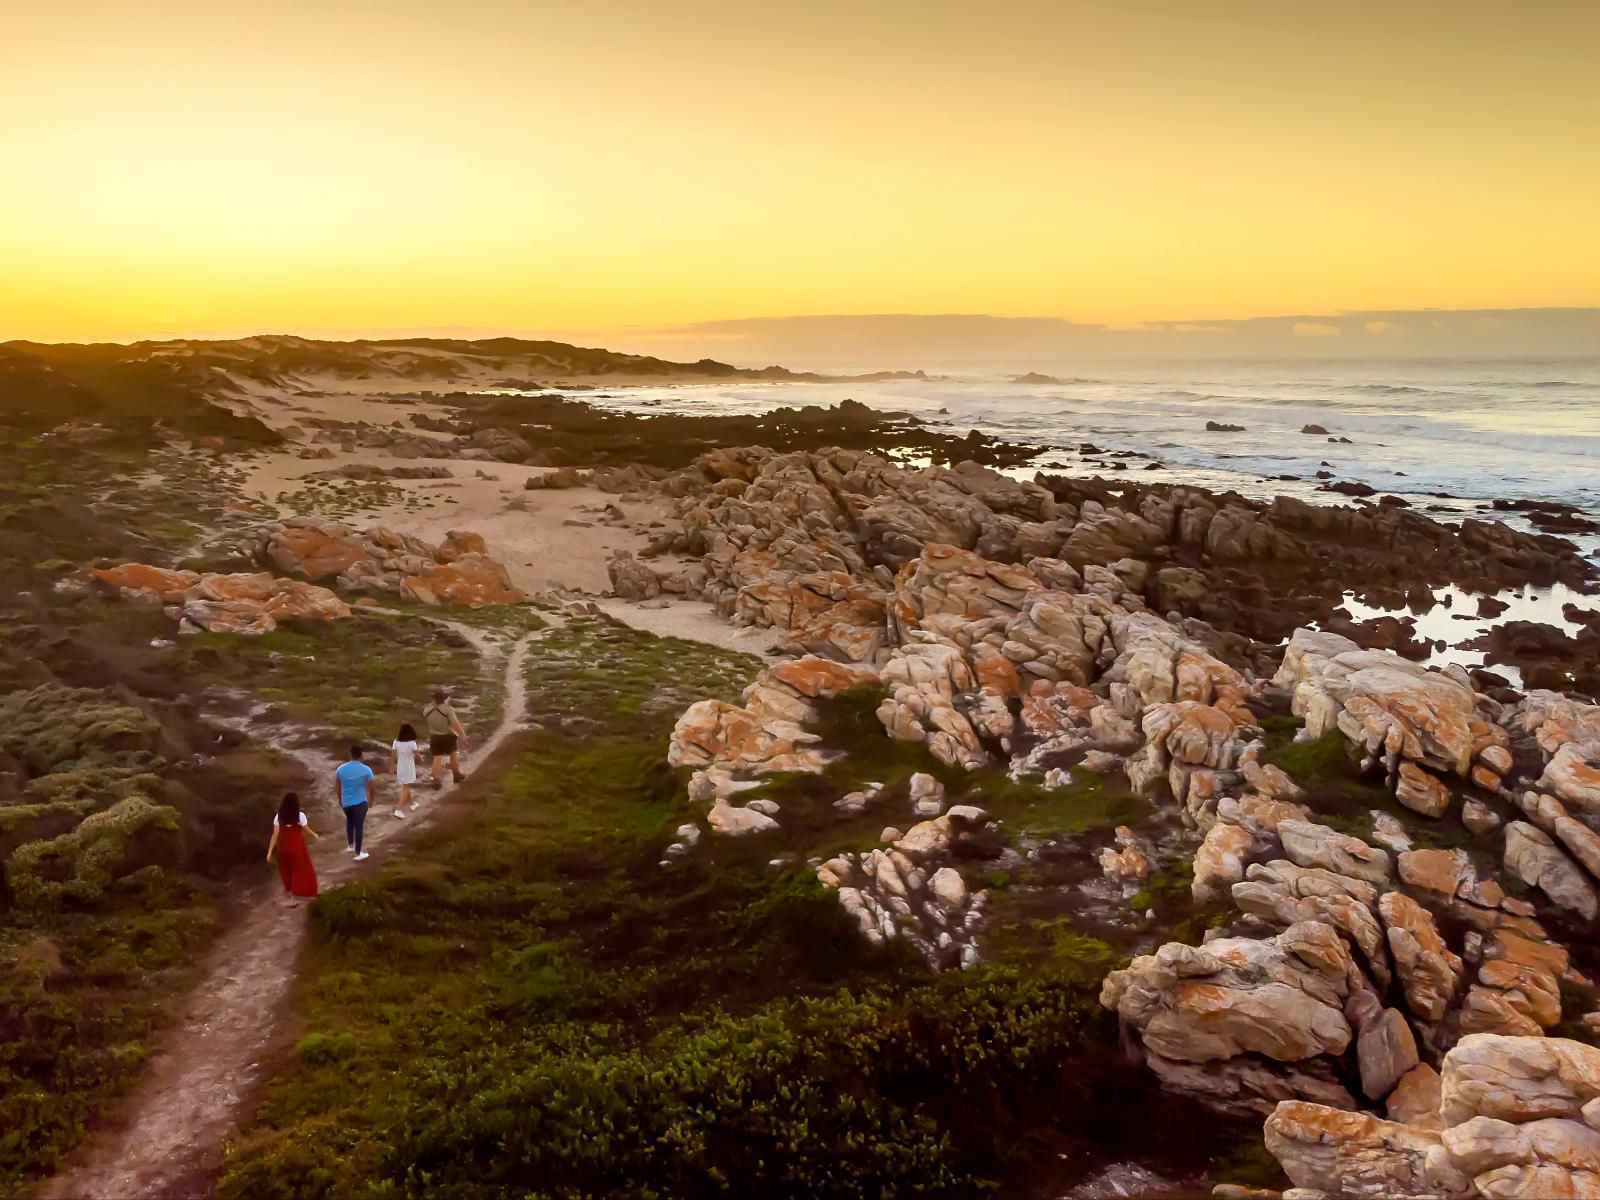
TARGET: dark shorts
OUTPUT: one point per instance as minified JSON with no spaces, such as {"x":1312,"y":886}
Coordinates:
{"x":440,"y":744}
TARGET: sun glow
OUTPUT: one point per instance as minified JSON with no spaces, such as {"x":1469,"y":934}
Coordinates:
{"x":358,"y":166}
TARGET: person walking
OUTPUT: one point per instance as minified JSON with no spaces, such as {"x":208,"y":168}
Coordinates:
{"x":289,"y":832}
{"x":356,"y":791}
{"x":405,"y":751}
{"x":446,"y":738}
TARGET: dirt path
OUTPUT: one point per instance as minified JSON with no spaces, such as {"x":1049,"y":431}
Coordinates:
{"x":171,"y":1140}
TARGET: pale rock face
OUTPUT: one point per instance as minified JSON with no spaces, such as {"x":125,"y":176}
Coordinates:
{"x":1429,"y":970}
{"x":1281,"y":998}
{"x":1389,"y":833}
{"x":1556,"y":720}
{"x":1282,"y":893}
{"x":1478,"y":817}
{"x":1439,"y":871}
{"x":1421,"y":791}
{"x":1518,"y":1078}
{"x":1509,"y":1124}
{"x":1573,"y":774}
{"x":927,"y":795}
{"x":1396,"y":711}
{"x":1550,"y":815}
{"x":1416,"y":1098}
{"x":1386,"y":1050}
{"x":1219,"y":863}
{"x":1532,"y":855}
{"x":946,"y":883}
{"x":1313,"y":845}
{"x":1352,"y":1153}
{"x":738,"y":822}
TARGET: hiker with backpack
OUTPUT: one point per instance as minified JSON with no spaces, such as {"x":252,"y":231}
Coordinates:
{"x":446,"y":737}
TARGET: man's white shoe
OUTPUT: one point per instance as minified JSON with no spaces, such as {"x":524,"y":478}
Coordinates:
{"x":362,"y":855}
{"x":349,"y":849}
{"x":399,"y":813}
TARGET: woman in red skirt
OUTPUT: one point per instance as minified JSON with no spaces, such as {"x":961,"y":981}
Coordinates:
{"x":289,"y":833}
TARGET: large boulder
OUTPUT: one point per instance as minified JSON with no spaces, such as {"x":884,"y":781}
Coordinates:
{"x":1515,"y":1117}
{"x":1279,"y":999}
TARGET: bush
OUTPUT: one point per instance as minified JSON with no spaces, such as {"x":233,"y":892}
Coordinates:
{"x":80,"y":865}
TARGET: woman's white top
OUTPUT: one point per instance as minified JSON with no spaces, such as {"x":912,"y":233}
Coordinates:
{"x":302,"y":818}
{"x":405,"y":762}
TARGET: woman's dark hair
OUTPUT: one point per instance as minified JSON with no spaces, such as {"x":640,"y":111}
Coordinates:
{"x":289,"y":810}
{"x":407,"y":734}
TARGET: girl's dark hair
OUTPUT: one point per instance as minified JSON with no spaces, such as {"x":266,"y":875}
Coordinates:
{"x":289,"y":810}
{"x":407,"y":734}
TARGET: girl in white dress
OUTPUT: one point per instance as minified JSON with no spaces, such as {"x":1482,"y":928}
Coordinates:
{"x":405,"y":767}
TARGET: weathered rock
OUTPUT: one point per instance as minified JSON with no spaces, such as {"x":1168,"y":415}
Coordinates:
{"x":1441,"y":871}
{"x":1573,"y":774}
{"x":738,"y":821}
{"x":1416,"y":1098}
{"x":1282,"y":893}
{"x":1533,"y":857}
{"x":1386,"y":1050}
{"x":632,"y":579}
{"x":1313,"y":845}
{"x":1219,"y":863}
{"x":1421,"y":791}
{"x":1478,"y":817}
{"x":1429,"y":970}
{"x":1354,"y":1154}
{"x":927,"y":795}
{"x":1281,"y":997}
{"x":1518,"y":1079}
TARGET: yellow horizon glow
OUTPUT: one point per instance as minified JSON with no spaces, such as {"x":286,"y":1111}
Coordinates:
{"x":179,"y":167}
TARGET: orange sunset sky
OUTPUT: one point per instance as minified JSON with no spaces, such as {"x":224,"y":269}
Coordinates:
{"x":616,"y":168}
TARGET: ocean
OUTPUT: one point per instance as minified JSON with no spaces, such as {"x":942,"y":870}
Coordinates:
{"x":1474,"y":431}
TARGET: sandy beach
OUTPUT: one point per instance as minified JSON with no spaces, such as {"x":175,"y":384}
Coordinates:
{"x":551,"y":540}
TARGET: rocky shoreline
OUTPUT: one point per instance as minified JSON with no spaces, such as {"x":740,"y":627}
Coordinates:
{"x":1051,"y":627}
{"x":1344,"y":893}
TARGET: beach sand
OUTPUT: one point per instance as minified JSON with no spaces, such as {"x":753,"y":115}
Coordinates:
{"x":548,"y":539}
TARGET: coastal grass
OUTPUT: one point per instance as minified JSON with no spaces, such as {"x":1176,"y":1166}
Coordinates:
{"x":108,"y":721}
{"x":533,"y":1002}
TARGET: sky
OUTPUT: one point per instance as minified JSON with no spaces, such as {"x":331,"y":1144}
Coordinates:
{"x":753,"y":174}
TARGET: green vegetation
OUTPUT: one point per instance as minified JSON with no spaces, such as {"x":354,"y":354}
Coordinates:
{"x":344,"y":681}
{"x":532,"y":1002}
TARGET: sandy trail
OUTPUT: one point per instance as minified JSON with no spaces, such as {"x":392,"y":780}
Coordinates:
{"x":197,"y":1081}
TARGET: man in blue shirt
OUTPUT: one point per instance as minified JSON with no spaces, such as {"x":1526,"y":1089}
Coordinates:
{"x":353,"y":783}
